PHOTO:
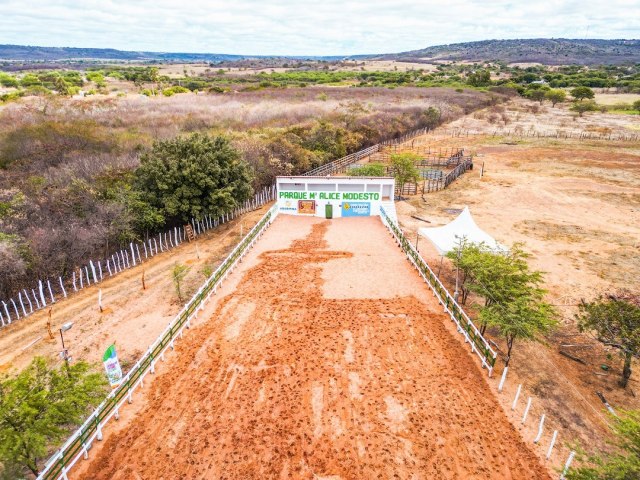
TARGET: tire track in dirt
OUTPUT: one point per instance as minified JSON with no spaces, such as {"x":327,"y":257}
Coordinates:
{"x":282,"y":382}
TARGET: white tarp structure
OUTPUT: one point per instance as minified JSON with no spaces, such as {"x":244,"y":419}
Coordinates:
{"x":447,"y":237}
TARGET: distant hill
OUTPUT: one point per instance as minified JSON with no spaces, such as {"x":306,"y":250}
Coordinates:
{"x":30,"y":54}
{"x":558,"y":51}
{"x":546,"y":51}
{"x":25,"y":53}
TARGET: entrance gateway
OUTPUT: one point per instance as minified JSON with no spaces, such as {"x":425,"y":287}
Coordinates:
{"x":332,"y":197}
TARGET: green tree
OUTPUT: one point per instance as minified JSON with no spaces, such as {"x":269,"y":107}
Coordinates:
{"x":61,"y":86}
{"x":480,"y":78}
{"x":466,"y":257}
{"x":368,"y":170}
{"x":537,"y":95}
{"x":615,"y":320}
{"x":189,"y":177}
{"x":623,"y":464}
{"x":38,"y":408}
{"x":555,"y":96}
{"x":7,"y":80}
{"x":178,"y":273}
{"x":636,"y":105}
{"x":582,"y":107}
{"x":513,"y":298}
{"x":525,"y":317}
{"x":581,"y":93}
{"x":404,"y":168}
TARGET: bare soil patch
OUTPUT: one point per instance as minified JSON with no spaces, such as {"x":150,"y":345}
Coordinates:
{"x":133,"y":317}
{"x":317,"y":386}
{"x":575,"y":206}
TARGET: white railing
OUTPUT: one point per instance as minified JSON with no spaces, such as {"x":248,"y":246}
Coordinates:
{"x":465,"y":325}
{"x":80,"y":442}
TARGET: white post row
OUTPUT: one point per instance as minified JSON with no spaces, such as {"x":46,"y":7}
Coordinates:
{"x":120,"y":260}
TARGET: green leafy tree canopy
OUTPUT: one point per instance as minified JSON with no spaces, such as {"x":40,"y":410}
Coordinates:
{"x":513,"y":298}
{"x":368,"y":170}
{"x":193,"y":176}
{"x":40,"y":406}
{"x":404,"y":168}
{"x":582,"y":107}
{"x":555,"y":96}
{"x":615,"y":320}
{"x":582,"y":93}
{"x":623,"y":464}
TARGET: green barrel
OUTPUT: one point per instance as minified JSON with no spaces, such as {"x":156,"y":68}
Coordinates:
{"x":328,"y":210}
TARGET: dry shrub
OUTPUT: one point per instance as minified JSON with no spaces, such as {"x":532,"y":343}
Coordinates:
{"x":493,"y":118}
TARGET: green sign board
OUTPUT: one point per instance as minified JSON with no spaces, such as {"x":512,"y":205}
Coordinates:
{"x":329,"y":195}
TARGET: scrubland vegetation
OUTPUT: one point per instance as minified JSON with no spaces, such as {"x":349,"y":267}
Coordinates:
{"x":72,"y":187}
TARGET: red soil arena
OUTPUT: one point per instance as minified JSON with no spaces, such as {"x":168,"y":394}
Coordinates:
{"x":326,"y":357}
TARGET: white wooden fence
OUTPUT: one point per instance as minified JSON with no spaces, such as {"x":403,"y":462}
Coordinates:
{"x":47,"y":291}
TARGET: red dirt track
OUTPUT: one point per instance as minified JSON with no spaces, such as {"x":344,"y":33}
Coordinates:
{"x":294,"y":376}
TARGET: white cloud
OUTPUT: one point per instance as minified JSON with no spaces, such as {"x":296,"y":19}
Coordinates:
{"x":321,"y":27}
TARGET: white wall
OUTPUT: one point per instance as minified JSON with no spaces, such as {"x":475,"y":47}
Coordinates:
{"x":349,"y":196}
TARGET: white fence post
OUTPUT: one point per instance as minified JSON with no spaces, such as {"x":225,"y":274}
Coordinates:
{"x":567,"y":464}
{"x":133,"y":254}
{"x":24,"y":311}
{"x":93,"y":271}
{"x":551,"y":445}
{"x":526,"y":411}
{"x":42,"y":299}
{"x":64,"y":292}
{"x":504,"y":377}
{"x":15,"y":307}
{"x":515,"y":400}
{"x":540,"y":427}
{"x":28,"y":300}
{"x":6,"y":310}
{"x":53,"y":300}
{"x":33,"y":292}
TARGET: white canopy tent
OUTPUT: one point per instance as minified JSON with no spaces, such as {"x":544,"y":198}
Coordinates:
{"x":447,"y":237}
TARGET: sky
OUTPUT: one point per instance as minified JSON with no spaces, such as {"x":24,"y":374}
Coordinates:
{"x":320,"y":27}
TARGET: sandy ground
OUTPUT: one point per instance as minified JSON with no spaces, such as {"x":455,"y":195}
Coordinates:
{"x":613,"y":98}
{"x":520,"y":117}
{"x":576,"y":206}
{"x":133,"y":318}
{"x":325,"y":357}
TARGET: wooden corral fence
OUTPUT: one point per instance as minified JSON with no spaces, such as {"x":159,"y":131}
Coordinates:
{"x":427,"y":151}
{"x":432,"y":157}
{"x":437,"y":183}
{"x":340,"y":165}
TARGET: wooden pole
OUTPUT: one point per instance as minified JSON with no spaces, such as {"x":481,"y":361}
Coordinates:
{"x":49,"y":325}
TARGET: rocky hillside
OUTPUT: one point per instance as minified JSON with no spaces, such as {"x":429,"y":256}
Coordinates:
{"x":558,"y":51}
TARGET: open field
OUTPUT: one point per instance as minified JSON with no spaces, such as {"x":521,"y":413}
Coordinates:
{"x":326,"y":357}
{"x":521,"y":117}
{"x":576,"y":206}
{"x":614,"y":98}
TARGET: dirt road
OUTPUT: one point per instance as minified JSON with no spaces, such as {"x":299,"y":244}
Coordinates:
{"x":325,"y":357}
